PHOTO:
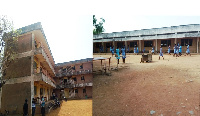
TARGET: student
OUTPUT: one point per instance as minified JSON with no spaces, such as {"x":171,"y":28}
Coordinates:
{"x":169,"y":50}
{"x":113,"y":51}
{"x":42,"y":106}
{"x":143,"y":50}
{"x":161,"y":53}
{"x":123,"y":55}
{"x":25,"y":108}
{"x":180,"y":50}
{"x":33,"y":107}
{"x":177,"y":50}
{"x":152,"y":51}
{"x":135,"y":50}
{"x":188,"y":50}
{"x":117,"y":55}
{"x":174,"y":50}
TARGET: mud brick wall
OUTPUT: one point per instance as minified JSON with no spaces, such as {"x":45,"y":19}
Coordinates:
{"x":88,"y":78}
{"x":19,"y":68}
{"x":24,"y":43}
{"x":14,"y":95}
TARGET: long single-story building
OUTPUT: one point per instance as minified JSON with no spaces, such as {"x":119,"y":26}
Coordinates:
{"x":148,"y":38}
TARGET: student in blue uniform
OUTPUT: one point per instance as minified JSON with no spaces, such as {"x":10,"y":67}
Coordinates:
{"x":110,"y":48}
{"x":169,"y":50}
{"x":152,"y":51}
{"x":161,"y":53}
{"x":123,"y":54}
{"x":135,"y":50}
{"x":175,"y":50}
{"x":113,"y":50}
{"x":143,"y":50}
{"x":117,"y":55}
{"x":188,"y":50}
{"x":180,"y":50}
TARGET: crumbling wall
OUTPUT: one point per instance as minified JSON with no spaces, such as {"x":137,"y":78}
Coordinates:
{"x":13,"y":97}
{"x":19,"y":68}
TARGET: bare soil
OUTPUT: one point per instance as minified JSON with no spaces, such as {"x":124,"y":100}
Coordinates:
{"x":170,"y":87}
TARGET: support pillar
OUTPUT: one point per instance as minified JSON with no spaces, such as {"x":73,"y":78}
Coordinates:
{"x":156,"y":45}
{"x":175,"y":40}
{"x":140,"y":45}
{"x":198,"y":45}
{"x":126,"y":46}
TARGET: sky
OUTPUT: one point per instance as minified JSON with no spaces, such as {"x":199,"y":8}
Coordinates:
{"x":69,"y":34}
{"x":68,"y":24}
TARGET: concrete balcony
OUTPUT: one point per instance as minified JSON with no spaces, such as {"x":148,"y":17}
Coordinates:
{"x":44,"y":78}
{"x":83,"y":84}
{"x":40,"y":54}
{"x":73,"y":73}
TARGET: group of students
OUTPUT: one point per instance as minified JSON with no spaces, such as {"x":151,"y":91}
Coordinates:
{"x":123,"y":51}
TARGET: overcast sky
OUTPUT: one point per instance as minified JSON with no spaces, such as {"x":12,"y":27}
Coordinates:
{"x":68,"y":33}
{"x":68,"y":24}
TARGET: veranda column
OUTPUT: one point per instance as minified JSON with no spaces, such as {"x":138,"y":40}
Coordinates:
{"x":198,"y":45}
{"x":140,"y":45}
{"x":156,"y":45}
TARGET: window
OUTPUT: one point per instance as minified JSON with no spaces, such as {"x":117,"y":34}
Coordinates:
{"x":81,"y":66}
{"x":185,"y":42}
{"x":84,"y":90}
{"x":41,"y":91}
{"x":133,"y":44}
{"x":74,"y":78}
{"x":148,"y":43}
{"x":76,"y":90}
{"x":98,"y":45}
{"x":165,"y":43}
{"x":108,"y":45}
{"x":73,"y":68}
{"x":82,"y":78}
{"x":35,"y":90}
{"x":120,"y":44}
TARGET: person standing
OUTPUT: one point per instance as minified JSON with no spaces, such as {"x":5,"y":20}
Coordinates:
{"x":169,"y":50}
{"x":42,"y":106}
{"x":123,"y":54}
{"x":161,"y":53}
{"x":152,"y":51}
{"x":25,"y":108}
{"x":117,"y":55}
{"x":135,"y":50}
{"x":180,"y":50}
{"x":33,"y":107}
{"x":175,"y":50}
{"x":113,"y":50}
{"x":188,"y":50}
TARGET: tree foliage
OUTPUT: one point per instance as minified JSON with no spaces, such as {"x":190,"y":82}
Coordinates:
{"x":98,"y":28}
{"x":8,"y":45}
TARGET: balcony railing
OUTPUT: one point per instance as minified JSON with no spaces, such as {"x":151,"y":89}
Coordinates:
{"x":65,"y":73}
{"x":42,"y":77}
{"x":41,"y":51}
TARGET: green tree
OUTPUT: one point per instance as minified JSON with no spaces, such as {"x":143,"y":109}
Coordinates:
{"x":98,"y":28}
{"x":8,"y":45}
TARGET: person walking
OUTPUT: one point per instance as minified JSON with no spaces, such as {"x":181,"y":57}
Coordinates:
{"x":117,"y":55}
{"x":42,"y":106}
{"x":169,"y":50}
{"x":161,"y":53}
{"x":33,"y":107}
{"x":25,"y":108}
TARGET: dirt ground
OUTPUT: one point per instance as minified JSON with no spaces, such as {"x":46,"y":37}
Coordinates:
{"x":168,"y":87}
{"x":73,"y":108}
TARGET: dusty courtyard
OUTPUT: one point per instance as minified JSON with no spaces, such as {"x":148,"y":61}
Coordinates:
{"x":168,"y":87}
{"x":73,"y":108}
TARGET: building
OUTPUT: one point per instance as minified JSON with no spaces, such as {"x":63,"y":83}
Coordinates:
{"x":74,"y":79}
{"x":148,"y":38}
{"x":32,"y":73}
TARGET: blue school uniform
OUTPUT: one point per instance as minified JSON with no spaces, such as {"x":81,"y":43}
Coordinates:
{"x":180,"y":49}
{"x":169,"y":49}
{"x":161,"y":54}
{"x":110,"y":49}
{"x":174,"y":49}
{"x":188,"y":50}
{"x":117,"y":52}
{"x":123,"y":53}
{"x":134,"y":49}
{"x":152,"y":50}
{"x":137,"y":50}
